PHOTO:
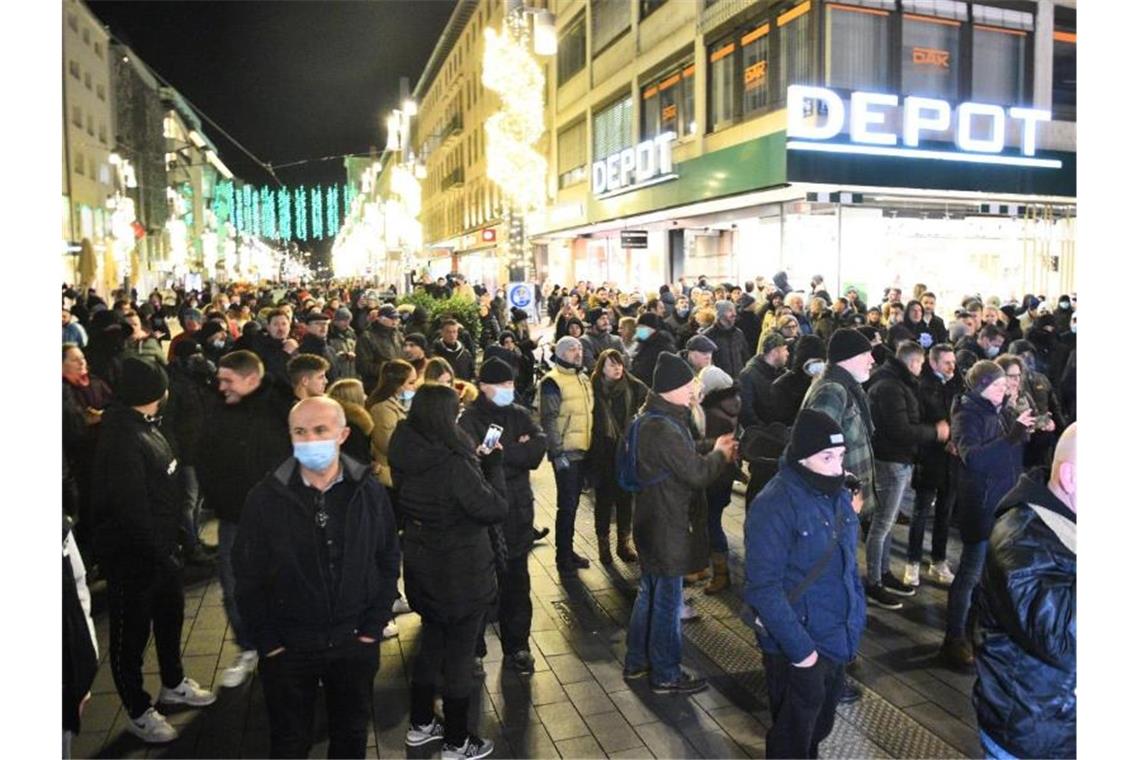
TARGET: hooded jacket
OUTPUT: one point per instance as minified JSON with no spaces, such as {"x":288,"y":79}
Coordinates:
{"x":283,"y":592}
{"x":449,"y":500}
{"x":991,"y":447}
{"x":789,"y":389}
{"x":342,"y":343}
{"x":895,"y":410}
{"x":1026,"y":652}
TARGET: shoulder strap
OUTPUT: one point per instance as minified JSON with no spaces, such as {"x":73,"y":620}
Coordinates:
{"x":816,"y":570}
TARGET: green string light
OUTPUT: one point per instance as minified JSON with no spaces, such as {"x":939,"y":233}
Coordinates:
{"x":318,"y":215}
{"x":332,"y":206}
{"x":299,"y":213}
{"x":239,"y":213}
{"x":349,"y":197}
{"x":255,"y":211}
{"x":284,"y":223}
{"x":268,"y":214}
{"x":247,"y":202}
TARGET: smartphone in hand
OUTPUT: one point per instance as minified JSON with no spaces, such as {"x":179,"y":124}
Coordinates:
{"x":491,"y":439}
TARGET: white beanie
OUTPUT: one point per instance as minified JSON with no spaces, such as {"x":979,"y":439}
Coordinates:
{"x":713,"y":378}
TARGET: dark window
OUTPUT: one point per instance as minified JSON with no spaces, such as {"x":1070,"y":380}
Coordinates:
{"x":572,"y":155}
{"x":724,"y":85}
{"x":572,"y":51}
{"x":648,"y":6}
{"x":613,"y":128}
{"x":609,"y":20}
{"x":857,"y":56}
{"x":667,"y":104}
{"x":754,"y":47}
{"x":930,"y":48}
{"x":796,"y":49}
{"x":1064,"y":75}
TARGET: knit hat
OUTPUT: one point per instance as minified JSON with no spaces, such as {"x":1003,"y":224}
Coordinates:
{"x":649,"y":319}
{"x":565,"y":345}
{"x":867,"y":332}
{"x":983,"y":374}
{"x":724,"y":307}
{"x":845,"y":344}
{"x":671,"y":373}
{"x":186,"y":348}
{"x":593,"y":315}
{"x":813,"y":432}
{"x":209,"y":330}
{"x":808,"y":347}
{"x":141,"y":382}
{"x":771,"y":339}
{"x":575,"y":321}
{"x":702,"y":344}
{"x":1045,"y":320}
{"x":495,"y":371}
{"x":417,"y":339}
{"x":507,"y":334}
{"x":343,"y":314}
{"x":713,"y":378}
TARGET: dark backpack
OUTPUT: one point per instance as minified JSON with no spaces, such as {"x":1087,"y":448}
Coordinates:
{"x":626,"y":459}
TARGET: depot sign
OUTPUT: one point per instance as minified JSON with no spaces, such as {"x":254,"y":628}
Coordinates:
{"x":648,"y":163}
{"x":979,"y":129}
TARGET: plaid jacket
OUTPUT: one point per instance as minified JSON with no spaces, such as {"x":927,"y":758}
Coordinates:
{"x":837,"y":395}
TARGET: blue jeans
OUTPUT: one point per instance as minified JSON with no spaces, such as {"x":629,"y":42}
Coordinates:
{"x":227,"y":533}
{"x":718,"y":498}
{"x":569,"y":485}
{"x":962,"y":589}
{"x":891,"y":479}
{"x":991,"y":749}
{"x":654,"y":635}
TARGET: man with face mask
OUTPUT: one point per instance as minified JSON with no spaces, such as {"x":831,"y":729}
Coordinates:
{"x":316,"y":608}
{"x":731,"y":350}
{"x":137,"y":490}
{"x":651,"y":341}
{"x":598,"y":337}
{"x":566,"y":407}
{"x":524,"y":445}
{"x":986,"y":345}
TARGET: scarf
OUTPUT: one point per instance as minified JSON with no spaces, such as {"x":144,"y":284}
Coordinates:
{"x":828,"y":484}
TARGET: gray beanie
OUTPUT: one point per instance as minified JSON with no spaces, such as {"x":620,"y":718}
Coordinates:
{"x":564,"y":345}
{"x":723,"y":307}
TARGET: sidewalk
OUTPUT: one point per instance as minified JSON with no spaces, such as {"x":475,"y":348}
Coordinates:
{"x":577,"y":704}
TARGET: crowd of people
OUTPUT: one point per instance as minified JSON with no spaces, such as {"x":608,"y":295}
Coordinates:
{"x":344,"y":441}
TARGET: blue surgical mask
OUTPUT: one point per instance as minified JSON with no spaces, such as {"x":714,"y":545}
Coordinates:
{"x":992,"y":351}
{"x":317,"y":456}
{"x":643,"y":332}
{"x":503,"y":396}
{"x":1073,"y":328}
{"x":1066,"y":305}
{"x":405,"y":398}
{"x":682,"y":313}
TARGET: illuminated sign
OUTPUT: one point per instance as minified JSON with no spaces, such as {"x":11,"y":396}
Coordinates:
{"x":755,"y":75}
{"x":978,"y":128}
{"x":646,"y":164}
{"x":488,"y":235}
{"x":930,"y":57}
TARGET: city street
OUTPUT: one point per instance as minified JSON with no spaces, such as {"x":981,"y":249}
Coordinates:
{"x":577,"y":705}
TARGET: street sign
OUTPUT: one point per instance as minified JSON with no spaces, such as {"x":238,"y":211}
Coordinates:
{"x":634,"y":239}
{"x":520,"y":295}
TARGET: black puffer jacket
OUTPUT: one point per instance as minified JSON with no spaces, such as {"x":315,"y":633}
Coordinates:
{"x":899,"y":428}
{"x":934,"y":462}
{"x":991,"y":445}
{"x":191,"y":394}
{"x":449,"y":503}
{"x":518,"y":460}
{"x":647,"y":352}
{"x":272,"y":353}
{"x":282,"y":591}
{"x":1026,"y":607}
{"x":243,"y":442}
{"x":731,"y":349}
{"x":137,"y":494}
{"x":756,"y":392}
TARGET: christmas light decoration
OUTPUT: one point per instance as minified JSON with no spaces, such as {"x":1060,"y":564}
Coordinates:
{"x":255,"y":212}
{"x":284,"y":222}
{"x":318,"y":216}
{"x":332,"y":209}
{"x":239,"y":212}
{"x":268,"y":214}
{"x":247,"y":203}
{"x":300,"y":214}
{"x":223,"y":202}
{"x":349,"y":197}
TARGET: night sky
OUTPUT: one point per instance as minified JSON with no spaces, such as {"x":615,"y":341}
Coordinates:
{"x":288,"y":80}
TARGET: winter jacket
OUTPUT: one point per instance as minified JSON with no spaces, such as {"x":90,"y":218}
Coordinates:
{"x":241,"y":443}
{"x":147,"y":347}
{"x":343,"y":342}
{"x":566,"y":405}
{"x":836,"y":394}
{"x":449,"y":500}
{"x":136,"y":489}
{"x":615,"y":406}
{"x":311,"y":344}
{"x":661,"y":530}
{"x":284,"y":593}
{"x":757,"y":400}
{"x":518,"y":461}
{"x":385,"y":416}
{"x":594,"y":343}
{"x":936,"y":398}
{"x":191,"y":394}
{"x":461,"y":360}
{"x":360,"y":425}
{"x":731,"y":349}
{"x":990,"y":446}
{"x":272,"y":353}
{"x":646,"y":358}
{"x":722,"y":415}
{"x":788,"y":391}
{"x":1026,"y":644}
{"x":786,"y":532}
{"x":897,"y":415}
{"x":374,"y":346}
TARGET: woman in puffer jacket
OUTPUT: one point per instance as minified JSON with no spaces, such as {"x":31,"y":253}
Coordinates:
{"x":720,"y":400}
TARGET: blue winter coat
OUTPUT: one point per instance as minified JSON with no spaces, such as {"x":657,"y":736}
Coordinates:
{"x":788,"y":528}
{"x":991,"y":447}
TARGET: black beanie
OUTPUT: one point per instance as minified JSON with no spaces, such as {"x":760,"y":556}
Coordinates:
{"x":846,"y":343}
{"x":813,"y":432}
{"x":983,"y":374}
{"x":593,"y":315}
{"x":649,"y":319}
{"x":671,"y":373}
{"x":417,"y":339}
{"x":209,"y":330}
{"x":495,"y":371}
{"x":141,"y":382}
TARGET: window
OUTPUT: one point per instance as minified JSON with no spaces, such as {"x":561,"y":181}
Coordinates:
{"x":572,"y":51}
{"x":73,"y":22}
{"x":100,"y":92}
{"x":754,"y":48}
{"x":667,"y":104}
{"x":90,"y":125}
{"x":99,"y":50}
{"x":79,"y":165}
{"x":796,"y":50}
{"x":87,"y":80}
{"x":613,"y":128}
{"x":1064,"y":74}
{"x":86,"y":36}
{"x":857,"y":56}
{"x":77,"y":116}
{"x":103,"y":133}
{"x":73,"y":69}
{"x":999,"y":60}
{"x":930,"y":47}
{"x":722,"y":64}
{"x":91,"y":167}
{"x":609,"y":20}
{"x":648,"y":6}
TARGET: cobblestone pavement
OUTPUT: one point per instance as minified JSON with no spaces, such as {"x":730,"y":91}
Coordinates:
{"x":576,"y":704}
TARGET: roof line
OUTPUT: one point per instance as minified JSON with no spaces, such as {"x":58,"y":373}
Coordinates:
{"x":462,"y":13}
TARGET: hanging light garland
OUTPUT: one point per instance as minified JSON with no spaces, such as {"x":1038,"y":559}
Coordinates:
{"x":284,"y":222}
{"x":332,"y":209}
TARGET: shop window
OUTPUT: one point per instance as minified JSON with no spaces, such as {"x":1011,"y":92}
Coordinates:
{"x":667,"y":104}
{"x":724,"y":86}
{"x":572,"y":157}
{"x":609,"y":20}
{"x":796,"y":47}
{"x":754,"y":47}
{"x":857,"y":55}
{"x":613,"y":129}
{"x":73,"y":68}
{"x":648,"y":6}
{"x":931,"y":31}
{"x":1064,"y":75}
{"x":572,"y":51}
{"x":999,"y":60}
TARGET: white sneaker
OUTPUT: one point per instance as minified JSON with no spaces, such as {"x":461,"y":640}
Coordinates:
{"x":400,"y":606}
{"x":910,"y":574}
{"x":940,"y":572}
{"x":236,"y":674}
{"x":152,"y":728}
{"x":420,"y":735}
{"x":187,"y":693}
{"x":688,"y":612}
{"x":472,"y":749}
{"x":391,"y":630}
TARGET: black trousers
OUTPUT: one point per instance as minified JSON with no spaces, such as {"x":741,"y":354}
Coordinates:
{"x":608,"y":496}
{"x":448,"y":648}
{"x":290,"y":682}
{"x":515,"y":609}
{"x":802,"y":702}
{"x":142,"y":596}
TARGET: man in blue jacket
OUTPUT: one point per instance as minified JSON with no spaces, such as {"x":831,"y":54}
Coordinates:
{"x":802,"y":583}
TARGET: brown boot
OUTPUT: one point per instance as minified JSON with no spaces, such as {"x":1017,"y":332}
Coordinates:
{"x":721,"y":579}
{"x":694,"y":578}
{"x":604,"y":555}
{"x":625,"y":550}
{"x":958,"y":652}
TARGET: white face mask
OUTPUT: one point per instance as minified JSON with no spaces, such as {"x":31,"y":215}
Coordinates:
{"x":814,"y":367}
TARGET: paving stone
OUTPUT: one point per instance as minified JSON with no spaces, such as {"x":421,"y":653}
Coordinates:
{"x":637,"y":753}
{"x":589,"y":698}
{"x":715,"y":744}
{"x":562,"y":721}
{"x":585,"y":747}
{"x":954,"y":732}
{"x":568,"y":669}
{"x":543,"y":688}
{"x":613,"y":732}
{"x":666,"y":741}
